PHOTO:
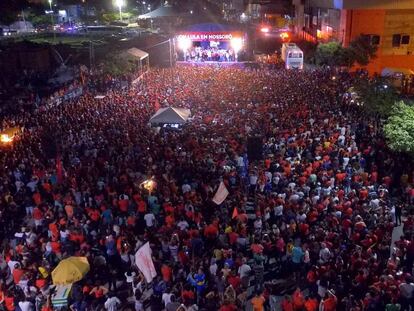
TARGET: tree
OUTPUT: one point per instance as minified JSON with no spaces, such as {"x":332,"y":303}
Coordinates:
{"x":377,"y":96}
{"x":399,"y":129}
{"x":362,"y":51}
{"x":327,"y":53}
{"x":119,"y":63}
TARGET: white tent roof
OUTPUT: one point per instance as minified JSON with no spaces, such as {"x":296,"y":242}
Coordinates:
{"x":138,"y":53}
{"x":392,"y":71}
{"x":171,"y":115}
{"x":163,"y":11}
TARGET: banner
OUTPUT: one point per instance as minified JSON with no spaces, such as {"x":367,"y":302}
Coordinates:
{"x":221,"y":194}
{"x":144,"y":262}
{"x":210,"y":36}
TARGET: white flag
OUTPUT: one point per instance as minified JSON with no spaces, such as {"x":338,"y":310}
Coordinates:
{"x":221,"y":194}
{"x":144,"y":262}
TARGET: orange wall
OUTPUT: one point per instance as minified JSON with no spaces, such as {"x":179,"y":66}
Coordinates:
{"x":365,"y":22}
{"x":373,"y":22}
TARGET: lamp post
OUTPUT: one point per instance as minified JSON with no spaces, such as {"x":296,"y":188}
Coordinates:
{"x":120,"y":4}
{"x":53,"y":22}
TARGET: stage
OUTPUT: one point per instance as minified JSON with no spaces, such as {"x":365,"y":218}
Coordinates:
{"x":211,"y":63}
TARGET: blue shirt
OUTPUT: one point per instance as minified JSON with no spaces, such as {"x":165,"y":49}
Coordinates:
{"x":297,"y":254}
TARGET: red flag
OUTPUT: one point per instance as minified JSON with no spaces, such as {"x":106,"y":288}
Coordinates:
{"x":59,"y":169}
{"x":235,"y":213}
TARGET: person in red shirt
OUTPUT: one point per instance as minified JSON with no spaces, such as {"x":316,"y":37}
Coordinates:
{"x":166,"y":272}
{"x":234,"y":280}
{"x":298,"y":300}
{"x":228,"y":306}
{"x":329,"y":304}
{"x":311,"y":304}
{"x":287,"y":304}
{"x":38,"y":216}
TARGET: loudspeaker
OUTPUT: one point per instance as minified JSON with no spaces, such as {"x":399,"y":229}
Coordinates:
{"x":254,"y":148}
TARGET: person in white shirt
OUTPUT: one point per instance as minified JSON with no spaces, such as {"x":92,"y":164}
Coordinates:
{"x":186,"y":188}
{"x":324,"y":254}
{"x":244,"y":269}
{"x":26,"y":305}
{"x":12,"y":265}
{"x":149,"y":219}
{"x":112,"y":303}
{"x":166,"y":298}
{"x":213,"y":267}
{"x":183,"y":224}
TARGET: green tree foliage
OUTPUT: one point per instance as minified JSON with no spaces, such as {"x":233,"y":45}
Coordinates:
{"x":119,"y":63}
{"x":399,"y":129}
{"x":360,"y":51}
{"x":377,"y":96}
{"x":327,"y":53}
{"x":40,"y":20}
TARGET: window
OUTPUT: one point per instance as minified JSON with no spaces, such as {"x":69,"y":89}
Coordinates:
{"x":400,"y":39}
{"x":396,"y":40}
{"x":405,"y":39}
{"x":372,"y":39}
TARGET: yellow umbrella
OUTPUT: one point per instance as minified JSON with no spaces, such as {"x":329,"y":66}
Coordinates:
{"x":70,"y":270}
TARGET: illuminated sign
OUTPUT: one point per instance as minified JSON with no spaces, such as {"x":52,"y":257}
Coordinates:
{"x":209,"y":36}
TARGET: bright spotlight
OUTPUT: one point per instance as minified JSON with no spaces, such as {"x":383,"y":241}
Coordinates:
{"x":5,"y":138}
{"x":264,"y":29}
{"x":120,"y":3}
{"x":236,"y":44}
{"x":184,"y":43}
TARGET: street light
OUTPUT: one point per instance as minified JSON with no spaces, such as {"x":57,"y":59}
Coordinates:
{"x":53,"y":22}
{"x":120,"y":4}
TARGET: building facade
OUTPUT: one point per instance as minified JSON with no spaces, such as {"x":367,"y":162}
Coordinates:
{"x":389,"y":24}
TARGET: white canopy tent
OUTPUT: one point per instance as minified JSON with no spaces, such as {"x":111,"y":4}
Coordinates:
{"x":143,"y":59}
{"x":170,"y":115}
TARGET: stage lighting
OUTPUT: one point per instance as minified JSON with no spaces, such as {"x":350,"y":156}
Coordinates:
{"x":184,"y":43}
{"x":236,"y":44}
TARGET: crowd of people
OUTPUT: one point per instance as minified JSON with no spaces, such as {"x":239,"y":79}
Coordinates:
{"x":310,"y":218}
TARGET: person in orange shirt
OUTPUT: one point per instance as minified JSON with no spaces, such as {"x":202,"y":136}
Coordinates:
{"x":298,"y":300}
{"x":69,"y":211}
{"x":311,"y":304}
{"x":258,"y":302}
